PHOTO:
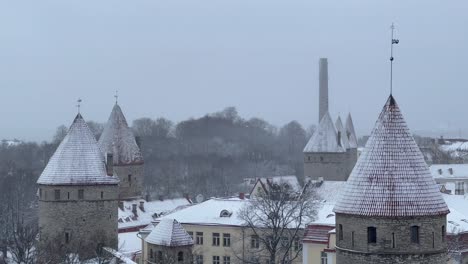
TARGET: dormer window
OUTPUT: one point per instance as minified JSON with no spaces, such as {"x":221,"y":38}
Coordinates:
{"x":225,"y":213}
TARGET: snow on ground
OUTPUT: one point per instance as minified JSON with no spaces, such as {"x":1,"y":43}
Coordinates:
{"x":458,"y":216}
{"x":129,"y":244}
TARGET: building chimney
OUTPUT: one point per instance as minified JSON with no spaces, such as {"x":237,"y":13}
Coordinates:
{"x":134,"y":209}
{"x":323,"y":87}
{"x":242,"y":196}
{"x":110,"y":164}
{"x":142,"y":206}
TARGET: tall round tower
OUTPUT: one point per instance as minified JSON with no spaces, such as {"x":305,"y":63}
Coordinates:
{"x":77,"y":197}
{"x":391,"y":210}
{"x":118,"y":139}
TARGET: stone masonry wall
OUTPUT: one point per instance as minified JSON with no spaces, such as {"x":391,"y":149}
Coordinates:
{"x":330,"y":166}
{"x":130,"y":186}
{"x":393,"y":240}
{"x":92,"y":219}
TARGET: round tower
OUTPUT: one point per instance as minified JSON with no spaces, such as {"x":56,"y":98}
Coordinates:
{"x":118,"y":139}
{"x":77,"y":198}
{"x":391,"y":210}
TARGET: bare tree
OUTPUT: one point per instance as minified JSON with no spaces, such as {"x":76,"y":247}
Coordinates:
{"x":276,"y":218}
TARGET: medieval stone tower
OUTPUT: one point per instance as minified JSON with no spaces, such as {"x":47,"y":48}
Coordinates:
{"x":118,"y":139}
{"x":331,"y":152}
{"x":78,"y":197}
{"x":391,"y":210}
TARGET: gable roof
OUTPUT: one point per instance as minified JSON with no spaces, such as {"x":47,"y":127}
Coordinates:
{"x":390,"y":178}
{"x":343,"y":136}
{"x":77,"y":160}
{"x":325,"y":137}
{"x":118,"y":138}
{"x":350,"y":132}
{"x":169,"y":233}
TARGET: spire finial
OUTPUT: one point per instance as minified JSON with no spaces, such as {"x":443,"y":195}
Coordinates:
{"x":78,"y":104}
{"x":116,"y":96}
{"x":394,"y":41}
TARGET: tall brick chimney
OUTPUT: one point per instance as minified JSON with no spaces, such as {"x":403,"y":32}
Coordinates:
{"x":323,"y":87}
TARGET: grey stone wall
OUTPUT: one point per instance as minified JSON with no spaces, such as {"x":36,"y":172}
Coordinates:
{"x":393,"y":240}
{"x":133,"y":188}
{"x":86,"y":222}
{"x":330,"y":166}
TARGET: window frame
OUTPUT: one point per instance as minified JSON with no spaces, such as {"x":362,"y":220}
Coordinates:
{"x":414,"y":234}
{"x":371,"y":235}
{"x":215,"y":239}
{"x":226,"y":240}
{"x":199,"y":238}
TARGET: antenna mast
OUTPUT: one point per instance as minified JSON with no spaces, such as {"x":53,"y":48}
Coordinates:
{"x":394,"y":41}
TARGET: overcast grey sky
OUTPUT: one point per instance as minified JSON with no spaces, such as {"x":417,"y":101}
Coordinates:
{"x":182,"y":59}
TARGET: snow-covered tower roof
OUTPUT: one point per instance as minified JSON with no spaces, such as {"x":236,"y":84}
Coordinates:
{"x":391,"y":178}
{"x":78,"y":160}
{"x":325,"y":138}
{"x":343,"y":137}
{"x":118,"y":138}
{"x":350,"y":132}
{"x":169,"y":233}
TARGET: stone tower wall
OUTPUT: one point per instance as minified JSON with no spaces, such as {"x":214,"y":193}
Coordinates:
{"x":92,"y":219}
{"x":330,"y":166}
{"x":130,"y":186}
{"x":393,"y":240}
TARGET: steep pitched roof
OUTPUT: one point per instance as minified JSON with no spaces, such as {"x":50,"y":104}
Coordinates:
{"x":343,"y":136}
{"x":390,"y":178}
{"x":169,"y":233}
{"x":350,"y":132}
{"x":77,"y":160}
{"x":325,"y":137}
{"x":118,"y":138}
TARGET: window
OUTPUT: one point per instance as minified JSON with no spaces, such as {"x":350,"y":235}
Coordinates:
{"x":190,"y":234}
{"x":415,"y":234}
{"x":199,"y":259}
{"x":68,"y":195}
{"x":433,"y":240}
{"x":226,"y":260}
{"x":57,"y":194}
{"x":199,"y":238}
{"x":254,"y":242}
{"x":67,"y":237}
{"x":180,"y":256}
{"x":215,"y":239}
{"x":130,"y":179}
{"x":151,"y":253}
{"x":323,"y":258}
{"x":216,"y":260}
{"x":297,"y":244}
{"x":371,"y":234}
{"x":80,"y":194}
{"x":393,"y":240}
{"x":340,"y":232}
{"x":352,"y":239}
{"x":226,"y":240}
{"x":443,"y":233}
{"x":102,"y":195}
{"x":160,"y":255}
{"x":40,"y":193}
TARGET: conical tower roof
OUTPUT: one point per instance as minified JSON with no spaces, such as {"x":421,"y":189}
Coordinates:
{"x":169,"y":233}
{"x":118,"y":138}
{"x":325,"y":138}
{"x":391,"y":178}
{"x":350,"y":132}
{"x":343,"y":136}
{"x":77,"y":160}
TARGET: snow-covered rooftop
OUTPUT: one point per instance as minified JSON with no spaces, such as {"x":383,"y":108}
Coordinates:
{"x":343,"y":136}
{"x":168,"y":232}
{"x":118,"y":138}
{"x":391,"y":178}
{"x":209,"y":212}
{"x":449,"y":171}
{"x":350,"y":132}
{"x":77,"y":160}
{"x":152,"y":210}
{"x":325,"y":138}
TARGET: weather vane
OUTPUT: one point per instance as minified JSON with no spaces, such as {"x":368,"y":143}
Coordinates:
{"x":394,"y":41}
{"x":78,"y":105}
{"x":116,"y":96}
